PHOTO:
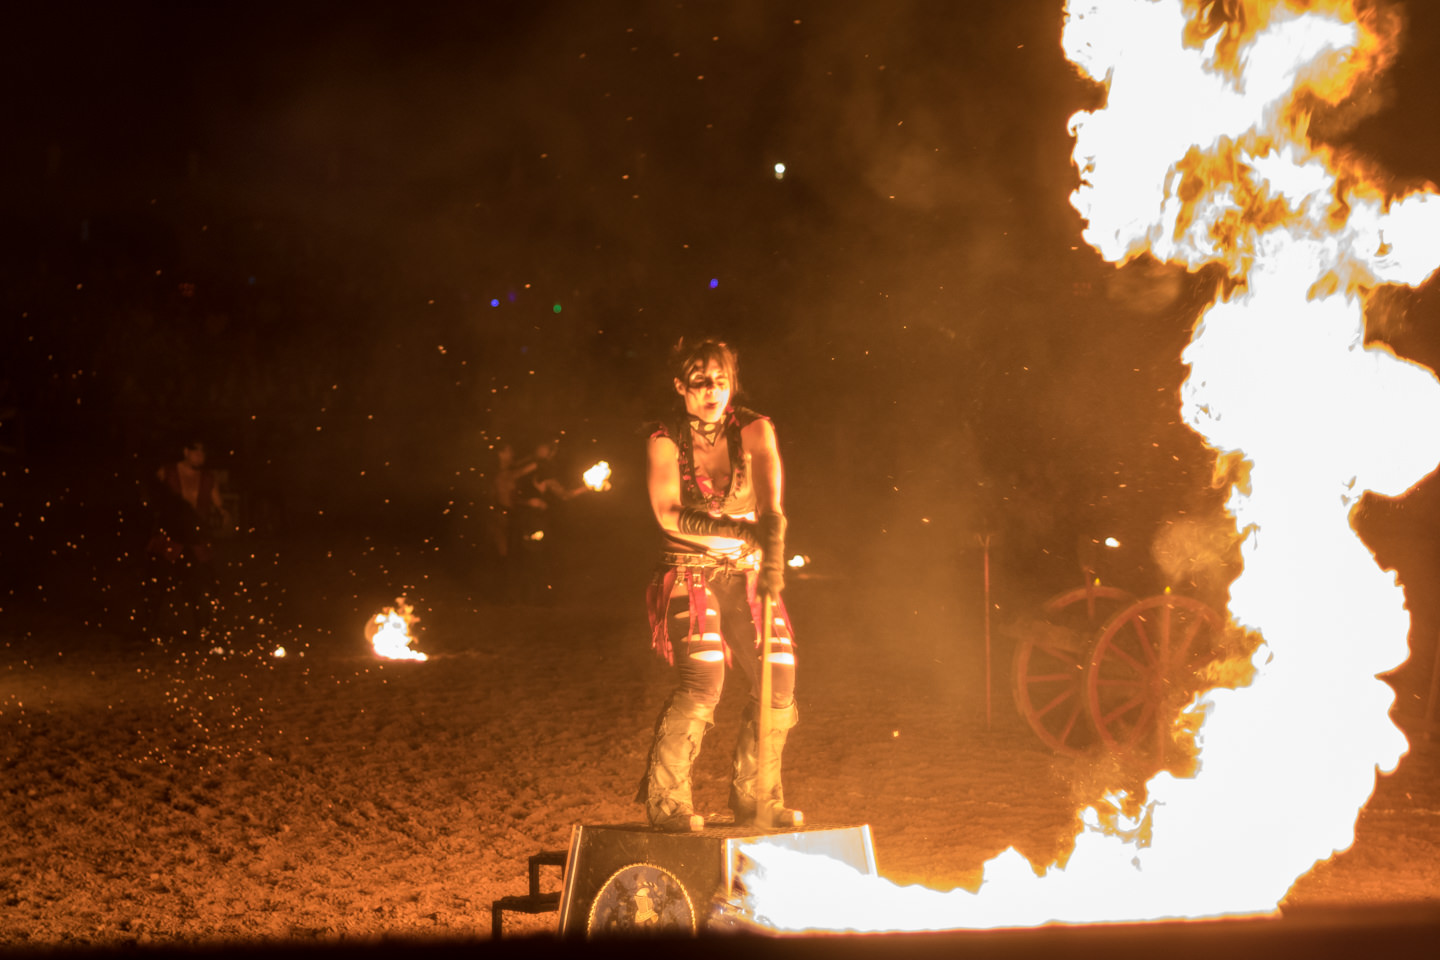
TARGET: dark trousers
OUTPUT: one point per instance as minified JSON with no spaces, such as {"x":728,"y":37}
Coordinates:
{"x":180,"y":595}
{"x":727,"y":623}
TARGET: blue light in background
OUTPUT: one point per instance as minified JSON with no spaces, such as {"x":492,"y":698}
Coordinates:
{"x":714,"y":282}
{"x":495,"y":301}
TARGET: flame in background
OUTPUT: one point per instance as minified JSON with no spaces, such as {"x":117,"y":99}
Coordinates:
{"x":389,"y":632}
{"x":597,"y":478}
{"x":1201,"y":156}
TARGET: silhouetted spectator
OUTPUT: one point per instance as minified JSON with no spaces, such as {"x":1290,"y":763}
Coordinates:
{"x":529,"y":531}
{"x":188,"y":511}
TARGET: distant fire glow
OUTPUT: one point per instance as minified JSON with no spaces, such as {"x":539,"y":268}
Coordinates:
{"x":1201,"y":156}
{"x":389,"y":632}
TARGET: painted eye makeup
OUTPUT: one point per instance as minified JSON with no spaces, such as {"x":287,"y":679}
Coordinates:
{"x":702,"y":383}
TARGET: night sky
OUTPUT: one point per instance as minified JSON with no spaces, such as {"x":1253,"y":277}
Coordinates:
{"x":355,"y":245}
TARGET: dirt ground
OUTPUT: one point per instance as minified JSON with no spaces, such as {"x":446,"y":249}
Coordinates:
{"x":176,"y":792}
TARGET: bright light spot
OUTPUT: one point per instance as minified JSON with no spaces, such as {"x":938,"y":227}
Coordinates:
{"x":779,"y":171}
{"x":389,"y":632}
{"x":278,"y":653}
{"x":556,"y":308}
{"x":597,"y":478}
{"x":714,"y":282}
{"x":1111,"y":542}
{"x":494,"y":301}
{"x":797,"y":561}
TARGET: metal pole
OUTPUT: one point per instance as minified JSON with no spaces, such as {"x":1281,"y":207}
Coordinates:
{"x":1434,"y":693}
{"x":765,"y":767}
{"x":985,"y":542}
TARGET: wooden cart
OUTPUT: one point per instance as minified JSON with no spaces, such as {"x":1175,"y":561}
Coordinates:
{"x":1103,"y":666}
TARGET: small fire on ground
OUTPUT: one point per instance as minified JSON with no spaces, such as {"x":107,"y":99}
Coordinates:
{"x":389,"y":632}
{"x":1202,"y":157}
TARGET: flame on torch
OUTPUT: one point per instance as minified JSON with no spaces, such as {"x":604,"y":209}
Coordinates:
{"x":1201,"y":155}
{"x":597,"y":478}
{"x":389,"y":632}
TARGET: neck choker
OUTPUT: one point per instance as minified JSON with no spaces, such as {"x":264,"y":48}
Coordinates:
{"x":709,"y":432}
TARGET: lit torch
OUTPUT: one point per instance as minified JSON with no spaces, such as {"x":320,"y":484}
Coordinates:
{"x":597,"y":478}
{"x":389,"y":632}
{"x":1201,"y":156}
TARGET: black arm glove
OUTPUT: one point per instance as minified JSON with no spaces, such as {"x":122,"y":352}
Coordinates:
{"x":771,"y":528}
{"x":693,"y":520}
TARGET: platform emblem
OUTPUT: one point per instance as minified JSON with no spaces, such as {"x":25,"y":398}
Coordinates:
{"x":639,"y":899}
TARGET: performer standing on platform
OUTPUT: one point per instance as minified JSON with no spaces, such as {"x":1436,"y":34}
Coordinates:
{"x":714,"y":477}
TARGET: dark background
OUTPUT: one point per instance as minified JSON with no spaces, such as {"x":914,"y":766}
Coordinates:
{"x":354,"y":246}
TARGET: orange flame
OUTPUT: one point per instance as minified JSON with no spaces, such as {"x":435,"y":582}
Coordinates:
{"x":389,"y":632}
{"x":1201,"y":155}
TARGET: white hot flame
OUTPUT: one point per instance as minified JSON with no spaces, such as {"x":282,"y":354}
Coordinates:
{"x":389,"y":632}
{"x":1200,"y":156}
{"x":597,"y":478}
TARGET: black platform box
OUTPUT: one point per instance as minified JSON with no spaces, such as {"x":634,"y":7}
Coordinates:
{"x":630,"y":879}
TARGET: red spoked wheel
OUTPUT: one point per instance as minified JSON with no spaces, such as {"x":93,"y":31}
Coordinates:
{"x":1050,"y":660}
{"x":1146,"y":666}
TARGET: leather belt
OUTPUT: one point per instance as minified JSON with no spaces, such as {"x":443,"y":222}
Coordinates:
{"x":705,"y":561}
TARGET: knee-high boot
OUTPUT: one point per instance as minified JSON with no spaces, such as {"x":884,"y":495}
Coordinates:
{"x":665,"y":790}
{"x":743,"y":799}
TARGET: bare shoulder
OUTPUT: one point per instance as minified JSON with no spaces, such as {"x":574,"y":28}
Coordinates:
{"x":758,"y":435}
{"x":660,"y":447}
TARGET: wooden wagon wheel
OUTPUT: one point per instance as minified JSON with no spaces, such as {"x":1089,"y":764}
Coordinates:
{"x":1049,"y":665}
{"x":1145,"y":667}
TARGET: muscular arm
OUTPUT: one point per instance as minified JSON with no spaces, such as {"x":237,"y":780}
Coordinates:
{"x":758,"y":441}
{"x":663,"y":478}
{"x":760,"y":447}
{"x":218,"y":502}
{"x":559,"y":491}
